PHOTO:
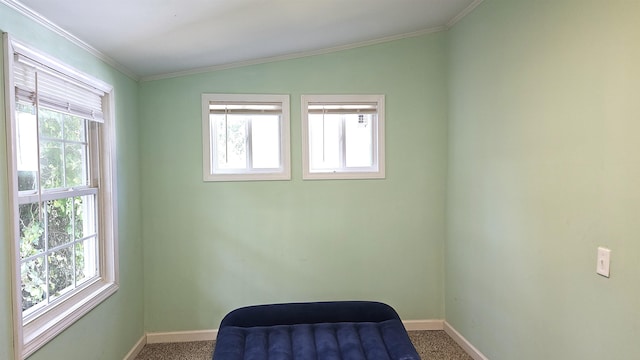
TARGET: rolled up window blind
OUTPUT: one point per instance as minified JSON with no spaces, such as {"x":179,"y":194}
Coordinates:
{"x":343,"y":108}
{"x":245,"y":108}
{"x":55,"y":90}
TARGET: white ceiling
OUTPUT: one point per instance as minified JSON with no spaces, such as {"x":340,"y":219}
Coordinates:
{"x":156,"y":37}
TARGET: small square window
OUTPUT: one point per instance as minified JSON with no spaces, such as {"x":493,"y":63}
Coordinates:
{"x":343,"y":136}
{"x":245,"y":137}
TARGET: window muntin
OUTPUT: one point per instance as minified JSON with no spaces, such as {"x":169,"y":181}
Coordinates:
{"x":62,"y":142}
{"x":58,"y":233}
{"x":61,"y":153}
{"x":245,"y":137}
{"x":343,"y":136}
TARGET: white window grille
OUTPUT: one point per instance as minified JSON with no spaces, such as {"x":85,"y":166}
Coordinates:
{"x":343,"y":136}
{"x":245,"y":137}
{"x":61,"y":157}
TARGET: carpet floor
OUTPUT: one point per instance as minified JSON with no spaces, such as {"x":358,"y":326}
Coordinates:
{"x":431,"y":345}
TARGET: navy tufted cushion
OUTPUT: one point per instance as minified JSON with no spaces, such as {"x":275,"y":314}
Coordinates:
{"x":347,"y":330}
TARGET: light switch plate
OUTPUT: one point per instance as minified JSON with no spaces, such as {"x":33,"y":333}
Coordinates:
{"x":604,"y":261}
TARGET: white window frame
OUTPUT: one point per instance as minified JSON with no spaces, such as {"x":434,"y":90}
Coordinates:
{"x":376,"y":171}
{"x":211,"y":173}
{"x":34,"y":332}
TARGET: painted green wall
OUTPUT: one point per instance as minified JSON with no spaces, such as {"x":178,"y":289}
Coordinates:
{"x":110,"y":330}
{"x":211,"y":247}
{"x":512,"y":145}
{"x":544,"y":146}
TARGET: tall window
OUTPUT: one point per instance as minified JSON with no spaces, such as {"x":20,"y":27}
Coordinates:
{"x":64,"y":221}
{"x":245,"y":137}
{"x":343,"y":136}
{"x":57,"y":205}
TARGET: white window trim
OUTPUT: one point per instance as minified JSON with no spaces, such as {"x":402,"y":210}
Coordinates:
{"x":31,"y":336}
{"x":343,"y":174}
{"x":284,"y":173}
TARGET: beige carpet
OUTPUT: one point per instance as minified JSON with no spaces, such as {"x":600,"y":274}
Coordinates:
{"x":431,"y":345}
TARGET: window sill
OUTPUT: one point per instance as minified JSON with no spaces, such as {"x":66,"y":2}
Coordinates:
{"x":248,"y":177}
{"x":337,"y":175}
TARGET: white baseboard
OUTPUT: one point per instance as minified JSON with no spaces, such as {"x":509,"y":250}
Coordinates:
{"x":136,"y":348}
{"x":423,"y":324}
{"x":464,"y":343}
{"x":208,"y":335}
{"x":181,"y":336}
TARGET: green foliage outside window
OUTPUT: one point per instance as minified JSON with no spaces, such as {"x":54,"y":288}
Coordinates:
{"x":231,"y":131}
{"x":52,"y":247}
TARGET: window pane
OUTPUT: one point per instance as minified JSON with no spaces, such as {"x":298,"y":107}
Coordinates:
{"x":27,"y":180}
{"x":75,"y":173}
{"x":74,"y":128}
{"x":27,"y":149}
{"x":84,"y":216}
{"x":31,"y":230}
{"x":61,"y":272}
{"x":63,"y":150}
{"x":324,"y":139}
{"x":265,"y":141}
{"x":51,"y":164}
{"x":86,"y":264}
{"x":59,"y":222}
{"x":79,"y":212}
{"x":231,"y":135}
{"x":50,"y":123}
{"x":34,"y":283}
{"x":359,"y":140}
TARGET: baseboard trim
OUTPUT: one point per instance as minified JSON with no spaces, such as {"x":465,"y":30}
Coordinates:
{"x":136,"y":348}
{"x":423,"y":324}
{"x":209,"y":335}
{"x":181,"y":336}
{"x":464,"y":343}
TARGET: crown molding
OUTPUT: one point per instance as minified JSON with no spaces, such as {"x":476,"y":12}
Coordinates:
{"x":292,"y":56}
{"x":298,"y":55}
{"x":463,"y":13}
{"x":31,"y":14}
{"x":36,"y":17}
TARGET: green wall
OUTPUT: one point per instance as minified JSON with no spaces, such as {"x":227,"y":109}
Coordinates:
{"x":512,"y":146}
{"x":544,"y":144}
{"x":110,"y":331}
{"x":210,"y":247}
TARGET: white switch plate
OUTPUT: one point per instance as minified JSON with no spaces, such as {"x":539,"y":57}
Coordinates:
{"x":604,"y":260}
